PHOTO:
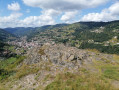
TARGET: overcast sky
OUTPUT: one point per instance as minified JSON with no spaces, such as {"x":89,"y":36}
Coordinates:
{"x":36,"y":13}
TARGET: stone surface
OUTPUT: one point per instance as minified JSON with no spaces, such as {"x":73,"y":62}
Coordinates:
{"x":63,"y":55}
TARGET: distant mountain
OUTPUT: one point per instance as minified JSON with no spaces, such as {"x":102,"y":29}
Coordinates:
{"x":20,"y":31}
{"x":25,"y":31}
{"x":52,"y":26}
{"x":4,"y":35}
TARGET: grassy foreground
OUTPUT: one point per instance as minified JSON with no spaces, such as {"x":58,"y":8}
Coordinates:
{"x":99,"y":76}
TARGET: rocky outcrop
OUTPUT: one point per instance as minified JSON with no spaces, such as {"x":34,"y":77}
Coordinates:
{"x":62,"y":56}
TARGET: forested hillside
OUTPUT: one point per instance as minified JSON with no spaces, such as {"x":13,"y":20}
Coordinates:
{"x":4,"y":35}
{"x":103,"y":36}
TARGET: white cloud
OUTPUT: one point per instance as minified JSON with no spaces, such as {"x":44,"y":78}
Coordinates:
{"x":37,"y":21}
{"x":64,"y":5}
{"x":10,"y":18}
{"x":31,"y":21}
{"x":69,"y":16}
{"x":14,"y":6}
{"x":51,"y":12}
{"x":114,"y":9}
{"x":10,"y":21}
{"x":103,"y":16}
{"x":46,"y":18}
{"x":69,"y":9}
{"x":109,"y":14}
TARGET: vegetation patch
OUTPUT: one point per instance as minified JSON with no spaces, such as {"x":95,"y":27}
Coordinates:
{"x":73,"y":81}
{"x":8,"y":67}
{"x":111,"y":73}
{"x":100,"y":47}
{"x":26,"y":70}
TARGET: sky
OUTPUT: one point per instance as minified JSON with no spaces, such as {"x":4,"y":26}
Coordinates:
{"x":36,"y":13}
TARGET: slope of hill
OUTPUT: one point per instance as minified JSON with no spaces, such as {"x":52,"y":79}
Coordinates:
{"x":5,"y":51}
{"x":4,"y":35}
{"x":20,"y":31}
{"x":103,"y":36}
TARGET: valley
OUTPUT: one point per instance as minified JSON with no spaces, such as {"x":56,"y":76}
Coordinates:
{"x":78,"y":56}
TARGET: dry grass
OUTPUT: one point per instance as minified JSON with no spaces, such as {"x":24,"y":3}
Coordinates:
{"x":116,"y":58}
{"x":26,"y":70}
{"x":76,"y":81}
{"x":93,"y":50}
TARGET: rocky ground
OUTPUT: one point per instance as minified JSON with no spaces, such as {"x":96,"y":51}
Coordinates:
{"x":49,"y":60}
{"x":62,"y":55}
